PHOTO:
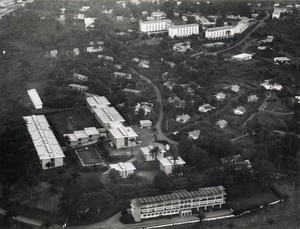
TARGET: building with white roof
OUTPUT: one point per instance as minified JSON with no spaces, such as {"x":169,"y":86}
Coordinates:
{"x":239,"y":110}
{"x":105,"y":57}
{"x":73,"y":141}
{"x":84,"y":8}
{"x":219,"y":32}
{"x":145,"y":123}
{"x":222,"y":123}
{"x":144,"y":64}
{"x":81,"y":136}
{"x":80,"y":77}
{"x":155,"y":26}
{"x":282,"y":60}
{"x":96,"y":101}
{"x":242,"y":57}
{"x":35,"y":99}
{"x":92,"y":49}
{"x":183,"y":30}
{"x":252,"y":98}
{"x":146,"y":152}
{"x":125,"y":169}
{"x":220,"y":96}
{"x":167,"y":164}
{"x":179,"y":202}
{"x":235,"y":88}
{"x":158,"y":15}
{"x":122,"y":75}
{"x":78,"y":87}
{"x":205,"y":108}
{"x":121,"y":135}
{"x":183,"y":118}
{"x":45,"y":143}
{"x":271,"y":86}
{"x":194,"y":134}
{"x":89,"y":23}
{"x":241,"y":26}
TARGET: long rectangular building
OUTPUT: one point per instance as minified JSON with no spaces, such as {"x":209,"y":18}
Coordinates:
{"x":179,"y":202}
{"x":45,"y":143}
{"x":155,"y":26}
{"x":35,"y":99}
{"x":219,"y":32}
{"x":183,"y":30}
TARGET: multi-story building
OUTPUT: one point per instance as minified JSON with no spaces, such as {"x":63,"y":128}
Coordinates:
{"x":45,"y":143}
{"x":155,"y":26}
{"x":219,"y":32}
{"x":183,"y":30}
{"x":180,"y":202}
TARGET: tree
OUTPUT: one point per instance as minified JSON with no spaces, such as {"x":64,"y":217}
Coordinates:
{"x":154,"y":132}
{"x":201,"y":216}
{"x":163,"y":182}
{"x":114,"y":175}
{"x":154,"y":152}
{"x":60,"y":172}
{"x":75,"y":175}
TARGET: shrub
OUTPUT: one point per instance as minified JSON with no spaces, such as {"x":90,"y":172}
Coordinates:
{"x":127,"y":219}
{"x":270,"y":221}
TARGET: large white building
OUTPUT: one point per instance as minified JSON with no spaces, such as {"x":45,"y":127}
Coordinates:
{"x":219,"y":32}
{"x":241,"y":26}
{"x":179,"y":202}
{"x":183,"y":30}
{"x":154,"y":26}
{"x":35,"y":99}
{"x":44,"y":141}
{"x":111,"y":119}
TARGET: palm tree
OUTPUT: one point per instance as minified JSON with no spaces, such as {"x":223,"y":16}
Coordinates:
{"x":154,"y":152}
{"x":200,"y":215}
{"x":75,"y":175}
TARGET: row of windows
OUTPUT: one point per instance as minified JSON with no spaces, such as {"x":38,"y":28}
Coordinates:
{"x":159,"y":213}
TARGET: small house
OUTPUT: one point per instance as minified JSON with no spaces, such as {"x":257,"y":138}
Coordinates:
{"x":80,"y":77}
{"x":125,"y":169}
{"x":235,"y":88}
{"x":194,"y":134}
{"x":282,"y":60}
{"x":252,"y":98}
{"x":220,"y":96}
{"x":92,"y":49}
{"x":78,"y":87}
{"x":205,"y":108}
{"x":167,"y":164}
{"x":144,"y":64}
{"x":239,"y":110}
{"x":183,"y":118}
{"x":132,"y":91}
{"x":122,"y":75}
{"x":145,"y":123}
{"x":242,"y":57}
{"x":222,"y":123}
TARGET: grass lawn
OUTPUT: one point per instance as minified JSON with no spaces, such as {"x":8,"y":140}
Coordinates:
{"x":69,"y":121}
{"x":89,"y":157}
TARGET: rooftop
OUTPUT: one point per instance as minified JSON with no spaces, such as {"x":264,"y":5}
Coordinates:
{"x":180,"y":195}
{"x":97,"y":101}
{"x":122,"y":166}
{"x":35,"y":98}
{"x":169,"y":161}
{"x":118,"y":130}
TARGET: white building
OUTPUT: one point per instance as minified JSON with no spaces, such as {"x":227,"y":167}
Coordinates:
{"x":92,"y":49}
{"x":242,"y":57}
{"x":158,"y":15}
{"x":194,"y":134}
{"x":167,"y":164}
{"x":155,"y":25}
{"x":252,"y":98}
{"x":144,"y":64}
{"x":183,"y":118}
{"x":178,"y":203}
{"x":282,"y":60}
{"x":89,"y":23}
{"x":80,"y":77}
{"x":78,"y":87}
{"x":96,"y":101}
{"x":183,"y":30}
{"x":205,"y":108}
{"x":146,"y":152}
{"x":235,"y":88}
{"x":219,"y":32}
{"x":105,"y":57}
{"x":121,"y":135}
{"x":182,"y":46}
{"x":82,"y":136}
{"x":145,"y":123}
{"x":125,"y":169}
{"x":122,"y":75}
{"x":44,"y":141}
{"x":220,"y":96}
{"x":239,"y":110}
{"x":35,"y":99}
{"x":241,"y":26}
{"x":107,"y":115}
{"x":271,"y":86}
{"x":222,"y":123}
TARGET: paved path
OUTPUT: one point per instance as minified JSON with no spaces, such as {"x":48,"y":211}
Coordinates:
{"x":260,"y":24}
{"x":160,"y":134}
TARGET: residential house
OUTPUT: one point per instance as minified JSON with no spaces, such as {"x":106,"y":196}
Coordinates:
{"x":222,"y":123}
{"x":178,"y":203}
{"x":145,"y":123}
{"x":235,"y":88}
{"x":239,"y":110}
{"x":184,"y":118}
{"x":158,"y":15}
{"x":169,"y":85}
{"x":220,"y":96}
{"x":122,"y":75}
{"x":120,"y":18}
{"x":84,"y":8}
{"x":92,"y":49}
{"x":35,"y":99}
{"x":269,"y":39}
{"x":73,"y":141}
{"x":282,"y":60}
{"x":136,"y":60}
{"x":252,"y":98}
{"x":146,"y":152}
{"x":147,"y":107}
{"x":194,"y":134}
{"x":89,"y":23}
{"x":132,"y":91}
{"x":76,"y":51}
{"x":166,"y":164}
{"x":271,"y":86}
{"x":205,"y":108}
{"x":144,"y":64}
{"x":105,"y":57}
{"x":53,"y":53}
{"x":182,"y":46}
{"x":125,"y":169}
{"x":80,"y":77}
{"x":242,"y":57}
{"x":78,"y":87}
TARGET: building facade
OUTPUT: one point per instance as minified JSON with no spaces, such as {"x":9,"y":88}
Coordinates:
{"x":219,"y":32}
{"x":183,"y":30}
{"x":155,"y":26}
{"x":180,"y":202}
